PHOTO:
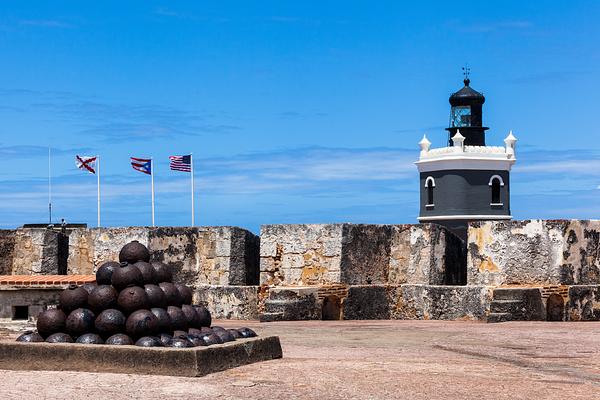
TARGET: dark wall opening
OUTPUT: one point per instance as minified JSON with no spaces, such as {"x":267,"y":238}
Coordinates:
{"x":63,"y":253}
{"x":331,"y":309}
{"x":20,"y":312}
{"x":555,"y":308}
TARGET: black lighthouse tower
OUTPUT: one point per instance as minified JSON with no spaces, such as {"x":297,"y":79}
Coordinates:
{"x":467,"y":180}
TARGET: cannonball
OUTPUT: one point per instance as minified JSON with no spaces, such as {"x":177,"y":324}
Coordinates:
{"x":211,"y":339}
{"x":71,"y":298}
{"x":162,"y":272}
{"x":132,"y":298}
{"x":205,"y":330}
{"x":30,"y":337}
{"x":119,"y":339}
{"x":51,"y":321}
{"x":126,"y":275}
{"x":149,"y":341}
{"x":191,"y":316}
{"x":147,"y":271}
{"x":204,"y":315}
{"x":178,"y":321}
{"x":171,"y":293}
{"x":235,"y":333}
{"x":89,"y":287}
{"x":216,"y":328}
{"x":196,"y":340}
{"x":89,"y":338}
{"x":165,"y":338}
{"x":156,"y":296}
{"x":246,"y":332}
{"x":164,"y":321}
{"x":105,"y":271}
{"x":194,"y":331}
{"x":110,"y":322}
{"x":59,"y":338}
{"x":179,"y":342}
{"x":185,"y":293}
{"x":224,"y":335}
{"x":133,"y":252}
{"x":141,"y":323}
{"x":102,"y":298}
{"x":80,"y":321}
{"x":179,"y":333}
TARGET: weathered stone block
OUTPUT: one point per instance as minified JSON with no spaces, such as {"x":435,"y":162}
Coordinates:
{"x":36,"y":299}
{"x":534,"y":252}
{"x":229,"y":302}
{"x":367,"y":302}
{"x":7,"y":251}
{"x":365,"y":254}
{"x":36,"y":252}
{"x":584,"y":303}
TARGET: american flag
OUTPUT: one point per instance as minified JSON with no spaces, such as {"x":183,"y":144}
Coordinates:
{"x":142,"y":164}
{"x":181,"y":163}
{"x":86,"y":163}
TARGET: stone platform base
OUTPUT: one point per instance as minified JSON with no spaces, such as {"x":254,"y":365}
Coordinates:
{"x":196,"y":361}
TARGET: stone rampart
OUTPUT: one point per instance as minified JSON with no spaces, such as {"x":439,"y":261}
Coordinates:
{"x":534,"y":252}
{"x":30,"y":252}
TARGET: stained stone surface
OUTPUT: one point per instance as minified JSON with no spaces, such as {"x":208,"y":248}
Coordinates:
{"x":584,"y":303}
{"x":203,"y":255}
{"x":29,"y":252}
{"x":534,"y":252}
{"x":367,"y":302}
{"x":355,"y":254}
{"x":229,"y":302}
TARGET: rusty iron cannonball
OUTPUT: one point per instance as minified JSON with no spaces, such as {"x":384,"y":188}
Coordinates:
{"x":103,"y":298}
{"x":80,"y":321}
{"x":191,"y":316}
{"x":196,"y":340}
{"x":171,"y":293}
{"x":149,"y":341}
{"x":105,"y":271}
{"x":247,"y":332}
{"x":72,"y":298}
{"x":156,"y":296}
{"x":164,"y":321}
{"x":147,"y":271}
{"x":89,"y":287}
{"x":211,"y":338}
{"x":235,"y":333}
{"x":133,"y":252}
{"x":51,"y":321}
{"x":30,"y":337}
{"x":110,"y":322}
{"x":119,"y":339}
{"x":224,"y":335}
{"x":178,"y":321}
{"x":59,"y":338}
{"x":89,"y":338}
{"x":194,"y":331}
{"x":162,"y":272}
{"x":179,"y":342}
{"x":185,"y":293}
{"x":132,"y":298}
{"x":203,"y":315}
{"x":126,"y":275}
{"x":141,"y":323}
{"x":165,"y":338}
{"x":205,"y":330}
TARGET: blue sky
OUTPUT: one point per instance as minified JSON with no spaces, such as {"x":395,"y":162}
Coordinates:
{"x":296,"y":112}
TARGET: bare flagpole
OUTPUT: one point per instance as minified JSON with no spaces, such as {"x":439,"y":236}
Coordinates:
{"x":152,"y":180}
{"x":192,"y":175}
{"x":49,"y":187}
{"x":98,"y":176}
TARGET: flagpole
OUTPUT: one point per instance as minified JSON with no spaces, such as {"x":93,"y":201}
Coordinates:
{"x":98,"y":176}
{"x":192,"y":173}
{"x":49,"y":188}
{"x":152,"y":180}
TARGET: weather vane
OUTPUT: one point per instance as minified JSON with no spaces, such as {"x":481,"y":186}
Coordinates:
{"x":466,"y":71}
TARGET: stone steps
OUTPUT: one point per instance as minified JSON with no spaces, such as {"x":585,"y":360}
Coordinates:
{"x":507,"y":306}
{"x":515,"y":304}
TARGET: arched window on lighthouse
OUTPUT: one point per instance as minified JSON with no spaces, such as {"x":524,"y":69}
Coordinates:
{"x":496,"y":184}
{"x":429,"y":185}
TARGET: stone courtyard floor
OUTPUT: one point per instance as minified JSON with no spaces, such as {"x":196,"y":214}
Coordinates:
{"x":367,"y":360}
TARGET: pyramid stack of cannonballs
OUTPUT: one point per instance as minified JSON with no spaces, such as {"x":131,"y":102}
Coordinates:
{"x":132,"y":302}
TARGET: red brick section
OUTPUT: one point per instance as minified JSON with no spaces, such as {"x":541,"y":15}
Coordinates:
{"x":36,"y":280}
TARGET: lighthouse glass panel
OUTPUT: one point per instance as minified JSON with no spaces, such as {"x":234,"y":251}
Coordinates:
{"x":461,"y":116}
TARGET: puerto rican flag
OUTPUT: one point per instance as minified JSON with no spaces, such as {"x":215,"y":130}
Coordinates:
{"x":142,"y":164}
{"x":86,"y":163}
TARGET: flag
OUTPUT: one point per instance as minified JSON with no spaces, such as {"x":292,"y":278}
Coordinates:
{"x":181,"y":163}
{"x":142,"y":164}
{"x":86,"y":163}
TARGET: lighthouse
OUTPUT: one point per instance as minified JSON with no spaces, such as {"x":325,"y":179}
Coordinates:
{"x":467,"y":180}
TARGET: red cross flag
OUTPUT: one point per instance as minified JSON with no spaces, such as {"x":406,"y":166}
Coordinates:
{"x":86,"y":163}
